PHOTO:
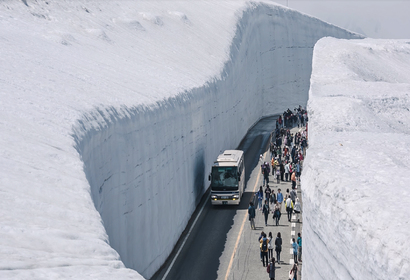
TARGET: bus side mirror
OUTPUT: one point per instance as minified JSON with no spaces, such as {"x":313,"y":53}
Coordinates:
{"x":239,"y":176}
{"x":209,"y":177}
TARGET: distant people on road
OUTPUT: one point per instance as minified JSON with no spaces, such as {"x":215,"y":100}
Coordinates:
{"x":270,"y":246}
{"x":264,"y":249}
{"x":298,"y":209}
{"x":278,"y":246}
{"x":295,"y":250}
{"x":252,"y":214}
{"x":266,"y":211}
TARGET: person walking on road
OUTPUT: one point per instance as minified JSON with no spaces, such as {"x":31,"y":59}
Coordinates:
{"x":279,"y":152}
{"x":298,"y":169}
{"x":279,"y":198}
{"x":293,"y":195}
{"x":276,"y":213}
{"x":299,"y":241}
{"x":264,"y":249}
{"x":268,"y":192}
{"x":293,"y":273}
{"x":270,"y":246}
{"x":259,"y":240}
{"x":260,"y":198}
{"x":273,"y":166}
{"x":278,"y":175}
{"x":266,"y":211}
{"x":287,"y":194}
{"x":273,"y":197}
{"x":252,"y":214}
{"x":286,"y":171}
{"x":289,"y":208}
{"x":295,"y":251}
{"x":298,"y":209}
{"x":282,"y":171}
{"x":271,"y":269}
{"x":293,"y":179}
{"x":265,"y":172}
{"x":278,"y":246}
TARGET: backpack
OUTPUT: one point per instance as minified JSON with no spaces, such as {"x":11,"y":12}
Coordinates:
{"x":264,"y":245}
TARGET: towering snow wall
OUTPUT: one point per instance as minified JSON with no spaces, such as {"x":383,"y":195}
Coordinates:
{"x":142,"y":96}
{"x":148,"y":166}
{"x":355,"y":184}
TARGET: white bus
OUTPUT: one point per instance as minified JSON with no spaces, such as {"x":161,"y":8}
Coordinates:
{"x":228,"y":178}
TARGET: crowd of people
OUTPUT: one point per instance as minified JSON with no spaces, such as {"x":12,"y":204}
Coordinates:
{"x":287,"y":152}
{"x":268,"y":243}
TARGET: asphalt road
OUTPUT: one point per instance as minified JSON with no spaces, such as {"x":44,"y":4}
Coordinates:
{"x":199,"y":257}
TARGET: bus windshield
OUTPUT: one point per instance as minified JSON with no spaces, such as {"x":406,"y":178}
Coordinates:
{"x":224,"y":178}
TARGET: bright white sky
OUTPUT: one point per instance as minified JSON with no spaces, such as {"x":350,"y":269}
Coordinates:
{"x":373,"y":18}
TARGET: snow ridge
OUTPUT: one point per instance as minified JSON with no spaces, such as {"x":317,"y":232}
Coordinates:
{"x":355,"y":181}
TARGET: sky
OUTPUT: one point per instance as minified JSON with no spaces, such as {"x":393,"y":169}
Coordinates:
{"x":372,"y":18}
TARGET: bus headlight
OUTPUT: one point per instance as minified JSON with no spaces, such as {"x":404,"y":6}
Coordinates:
{"x":236,"y":196}
{"x":214,"y":197}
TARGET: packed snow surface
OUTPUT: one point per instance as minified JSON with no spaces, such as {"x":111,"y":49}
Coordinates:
{"x":355,"y":184}
{"x":112,"y":113}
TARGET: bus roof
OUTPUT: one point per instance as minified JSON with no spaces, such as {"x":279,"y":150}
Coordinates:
{"x":229,"y":158}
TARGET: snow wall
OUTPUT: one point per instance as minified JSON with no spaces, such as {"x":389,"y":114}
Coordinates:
{"x":355,"y":184}
{"x":147,"y":165}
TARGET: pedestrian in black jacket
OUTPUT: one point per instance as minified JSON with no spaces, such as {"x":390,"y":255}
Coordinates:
{"x":278,"y":246}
